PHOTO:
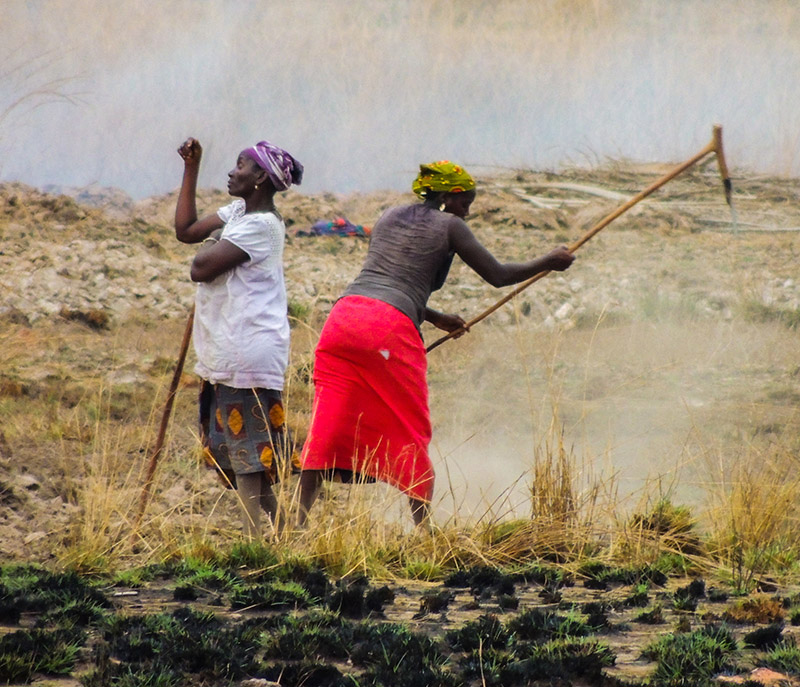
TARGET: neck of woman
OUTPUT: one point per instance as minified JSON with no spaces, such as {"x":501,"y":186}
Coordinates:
{"x":434,"y":201}
{"x":260,"y":202}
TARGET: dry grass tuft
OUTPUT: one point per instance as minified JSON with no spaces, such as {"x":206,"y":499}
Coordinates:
{"x":565,"y":521}
{"x":754,"y":514}
{"x":92,"y":317}
{"x":757,"y":609}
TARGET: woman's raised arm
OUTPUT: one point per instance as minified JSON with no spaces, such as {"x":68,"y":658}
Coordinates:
{"x":188,"y":229}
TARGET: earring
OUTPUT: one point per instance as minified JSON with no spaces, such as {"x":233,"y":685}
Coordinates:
{"x":256,"y":187}
{"x":442,"y":207}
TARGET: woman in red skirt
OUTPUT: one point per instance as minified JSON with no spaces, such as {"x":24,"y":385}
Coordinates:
{"x":371,"y":417}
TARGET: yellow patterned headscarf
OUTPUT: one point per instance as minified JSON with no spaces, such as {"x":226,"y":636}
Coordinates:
{"x":443,"y":176}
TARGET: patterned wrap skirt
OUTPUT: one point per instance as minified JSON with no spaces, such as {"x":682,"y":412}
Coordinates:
{"x":371,"y":416}
{"x":244,"y":431}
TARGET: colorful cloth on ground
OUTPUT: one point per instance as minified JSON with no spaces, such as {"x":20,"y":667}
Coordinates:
{"x":371,"y":398}
{"x":443,"y":176}
{"x":241,"y":324}
{"x":282,"y":168}
{"x":335,"y":227}
{"x":244,"y":431}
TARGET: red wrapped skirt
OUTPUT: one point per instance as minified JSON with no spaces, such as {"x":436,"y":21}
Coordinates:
{"x":371,"y":413}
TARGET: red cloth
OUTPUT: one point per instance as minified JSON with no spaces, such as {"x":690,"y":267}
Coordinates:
{"x":371,"y":397}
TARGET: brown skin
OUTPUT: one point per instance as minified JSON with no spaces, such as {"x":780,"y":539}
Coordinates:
{"x":247,"y":181}
{"x":474,"y":254}
{"x":310,"y":483}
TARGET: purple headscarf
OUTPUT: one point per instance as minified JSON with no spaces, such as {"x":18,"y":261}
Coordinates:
{"x":282,"y":168}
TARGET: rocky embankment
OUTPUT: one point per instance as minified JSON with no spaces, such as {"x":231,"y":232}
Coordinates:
{"x":99,"y":256}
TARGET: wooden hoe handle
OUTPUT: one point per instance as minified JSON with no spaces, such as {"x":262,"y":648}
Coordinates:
{"x":162,"y":430}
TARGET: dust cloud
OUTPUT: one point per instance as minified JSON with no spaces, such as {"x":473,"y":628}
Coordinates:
{"x":362,"y":91}
{"x":645,"y":410}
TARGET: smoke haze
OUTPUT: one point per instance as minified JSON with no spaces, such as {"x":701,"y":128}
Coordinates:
{"x":362,"y":91}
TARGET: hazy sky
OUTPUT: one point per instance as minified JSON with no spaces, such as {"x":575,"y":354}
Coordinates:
{"x":361,"y":91}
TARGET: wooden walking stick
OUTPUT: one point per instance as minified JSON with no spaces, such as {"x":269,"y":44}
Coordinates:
{"x":714,"y":146}
{"x":162,"y":430}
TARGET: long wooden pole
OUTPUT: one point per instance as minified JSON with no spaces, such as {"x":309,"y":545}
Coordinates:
{"x":162,"y":430}
{"x":714,"y":146}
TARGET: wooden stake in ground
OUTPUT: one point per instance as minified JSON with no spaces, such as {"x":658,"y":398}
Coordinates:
{"x":162,"y":430}
{"x":714,"y":146}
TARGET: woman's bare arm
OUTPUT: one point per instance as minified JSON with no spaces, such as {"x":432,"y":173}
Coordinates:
{"x":189,"y":229}
{"x":446,"y":321}
{"x":216,"y":258}
{"x":475,"y":254}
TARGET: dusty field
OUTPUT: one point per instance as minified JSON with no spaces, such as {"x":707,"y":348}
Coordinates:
{"x":664,"y":358}
{"x":670,"y":341}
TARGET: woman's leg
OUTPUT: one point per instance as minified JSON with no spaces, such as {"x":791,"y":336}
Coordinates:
{"x":269,"y":504}
{"x":248,"y":487}
{"x":310,"y":483}
{"x":421,"y":512}
{"x":256,"y":494}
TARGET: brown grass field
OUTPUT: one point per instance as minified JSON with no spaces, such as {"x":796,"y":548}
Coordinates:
{"x":640,"y":408}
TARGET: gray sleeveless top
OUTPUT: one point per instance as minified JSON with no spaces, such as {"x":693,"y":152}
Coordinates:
{"x":409,"y":256}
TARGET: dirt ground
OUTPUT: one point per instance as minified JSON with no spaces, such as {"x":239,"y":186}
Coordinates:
{"x":670,"y":345}
{"x":672,"y":338}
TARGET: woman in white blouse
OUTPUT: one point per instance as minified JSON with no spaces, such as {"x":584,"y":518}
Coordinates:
{"x":241,"y":326}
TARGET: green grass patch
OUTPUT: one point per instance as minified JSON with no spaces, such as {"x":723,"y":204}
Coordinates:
{"x":784,"y":658}
{"x":25,"y":653}
{"x":270,"y":595}
{"x":57,"y":597}
{"x":692,"y":659}
{"x":170,"y":645}
{"x":536,"y":625}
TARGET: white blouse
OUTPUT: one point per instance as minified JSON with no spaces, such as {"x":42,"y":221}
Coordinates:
{"x":241,"y":325}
